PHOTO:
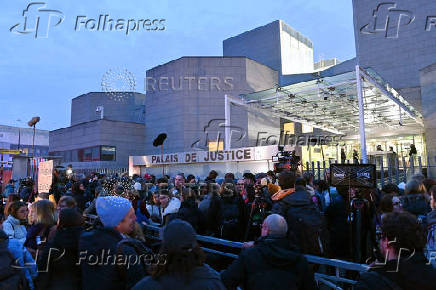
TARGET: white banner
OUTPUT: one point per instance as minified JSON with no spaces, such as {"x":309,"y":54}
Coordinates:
{"x":45,"y":175}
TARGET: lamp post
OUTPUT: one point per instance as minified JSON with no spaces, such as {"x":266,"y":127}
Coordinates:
{"x":19,"y":133}
{"x":32,"y":123}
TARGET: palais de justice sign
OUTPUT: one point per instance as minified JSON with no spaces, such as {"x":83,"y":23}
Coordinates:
{"x":241,"y":154}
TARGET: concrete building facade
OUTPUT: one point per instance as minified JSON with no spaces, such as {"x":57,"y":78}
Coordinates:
{"x":398,"y":39}
{"x":185,"y":100}
{"x":15,"y":138}
{"x":276,"y":45}
{"x":104,"y":131}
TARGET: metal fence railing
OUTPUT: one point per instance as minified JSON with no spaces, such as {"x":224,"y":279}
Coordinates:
{"x":233,"y":248}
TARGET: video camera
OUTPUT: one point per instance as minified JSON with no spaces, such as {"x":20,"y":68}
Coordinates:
{"x":285,"y":160}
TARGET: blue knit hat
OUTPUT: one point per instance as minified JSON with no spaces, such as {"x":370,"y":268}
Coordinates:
{"x":112,"y":209}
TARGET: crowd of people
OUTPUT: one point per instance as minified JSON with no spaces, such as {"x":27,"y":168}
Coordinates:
{"x":46,"y":244}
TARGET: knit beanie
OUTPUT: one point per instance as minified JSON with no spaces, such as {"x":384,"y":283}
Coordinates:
{"x":179,"y":235}
{"x":112,"y":209}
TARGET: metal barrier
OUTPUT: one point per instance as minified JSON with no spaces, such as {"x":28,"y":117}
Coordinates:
{"x":152,"y":231}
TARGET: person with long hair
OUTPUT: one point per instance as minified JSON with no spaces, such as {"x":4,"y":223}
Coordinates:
{"x":181,"y":262}
{"x":58,"y":265}
{"x":11,"y":198}
{"x":14,"y":225}
{"x":42,"y":219}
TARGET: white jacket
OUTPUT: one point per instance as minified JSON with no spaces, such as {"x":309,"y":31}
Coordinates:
{"x":14,"y":230}
{"x":173,"y":207}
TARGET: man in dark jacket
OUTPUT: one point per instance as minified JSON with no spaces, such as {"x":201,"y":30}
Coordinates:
{"x":270,"y":262}
{"x":99,"y":250}
{"x":307,"y":229}
{"x":405,"y":266}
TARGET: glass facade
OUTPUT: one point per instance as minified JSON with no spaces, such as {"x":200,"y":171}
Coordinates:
{"x":89,"y":154}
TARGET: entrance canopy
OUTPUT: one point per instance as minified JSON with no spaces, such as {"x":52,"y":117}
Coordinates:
{"x":332,"y":104}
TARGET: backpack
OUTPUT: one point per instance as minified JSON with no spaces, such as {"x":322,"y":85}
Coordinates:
{"x":307,"y":229}
{"x":229,"y":218}
{"x":11,"y":277}
{"x":139,"y":248}
{"x":415,"y":204}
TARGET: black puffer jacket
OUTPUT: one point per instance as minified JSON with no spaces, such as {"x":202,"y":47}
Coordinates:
{"x":58,"y":267}
{"x":271,"y":264}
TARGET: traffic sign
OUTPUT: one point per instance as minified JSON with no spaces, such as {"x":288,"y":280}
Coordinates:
{"x":9,"y":151}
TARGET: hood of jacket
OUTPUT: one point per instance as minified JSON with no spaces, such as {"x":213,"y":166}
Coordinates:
{"x":277,"y":251}
{"x":279,"y":195}
{"x":299,"y":198}
{"x":173,"y":207}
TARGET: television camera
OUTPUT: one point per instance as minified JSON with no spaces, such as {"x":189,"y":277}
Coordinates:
{"x":285,"y":160}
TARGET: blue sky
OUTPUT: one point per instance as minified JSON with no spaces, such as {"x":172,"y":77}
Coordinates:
{"x":41,"y":76}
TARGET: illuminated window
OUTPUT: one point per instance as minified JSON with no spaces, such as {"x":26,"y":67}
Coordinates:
{"x":289,"y":128}
{"x":214,"y":146}
{"x":306,"y":129}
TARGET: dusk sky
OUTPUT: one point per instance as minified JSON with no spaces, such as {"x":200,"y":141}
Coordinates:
{"x":41,"y":76}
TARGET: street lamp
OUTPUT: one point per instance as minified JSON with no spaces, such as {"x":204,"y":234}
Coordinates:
{"x":19,"y":133}
{"x":32,"y":123}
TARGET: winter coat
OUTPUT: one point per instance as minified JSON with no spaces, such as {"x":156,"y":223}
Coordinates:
{"x":154,"y":212}
{"x":202,"y":277}
{"x":14,"y":229}
{"x":8,"y":190}
{"x":103,"y":242}
{"x":58,"y":263}
{"x":190,"y":213}
{"x":296,"y":198}
{"x":413,"y":273}
{"x":339,"y":229}
{"x":430,"y":248}
{"x":23,"y":259}
{"x":37,"y":230}
{"x":271,"y":264}
{"x":172,"y":208}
